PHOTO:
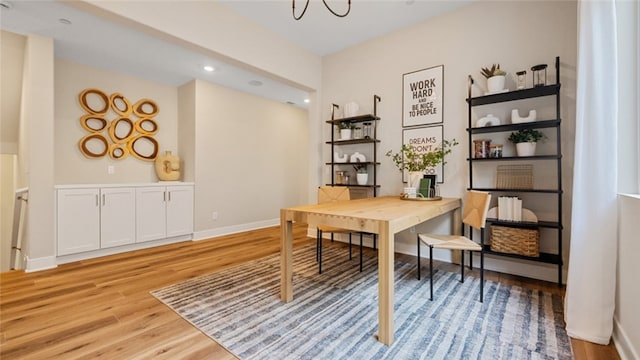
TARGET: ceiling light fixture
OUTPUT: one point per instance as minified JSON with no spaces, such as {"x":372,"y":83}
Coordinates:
{"x":255,"y":83}
{"x":208,"y":68}
{"x":325,"y":4}
{"x":64,"y":21}
{"x":306,"y":101}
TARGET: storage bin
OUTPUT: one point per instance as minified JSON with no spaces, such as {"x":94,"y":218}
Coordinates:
{"x":518,"y":241}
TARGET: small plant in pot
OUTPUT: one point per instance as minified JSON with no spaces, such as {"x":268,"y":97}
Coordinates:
{"x":495,"y":78}
{"x":525,"y":140}
{"x":417,"y":162}
{"x":361,"y":174}
{"x":345,"y":130}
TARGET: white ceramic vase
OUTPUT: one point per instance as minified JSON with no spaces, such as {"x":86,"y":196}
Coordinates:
{"x":414,"y":178}
{"x":362,"y":178}
{"x":495,"y":83}
{"x":345,"y":134}
{"x":526,"y":148}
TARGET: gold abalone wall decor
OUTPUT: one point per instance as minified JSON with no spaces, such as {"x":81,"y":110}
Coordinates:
{"x":117,"y":137}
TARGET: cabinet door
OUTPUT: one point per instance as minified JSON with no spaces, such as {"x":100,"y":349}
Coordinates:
{"x":78,"y":220}
{"x":179,"y":210}
{"x":150,"y":213}
{"x":118,"y":217}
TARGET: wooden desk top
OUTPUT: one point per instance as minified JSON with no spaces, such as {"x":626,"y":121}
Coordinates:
{"x":400,"y":214}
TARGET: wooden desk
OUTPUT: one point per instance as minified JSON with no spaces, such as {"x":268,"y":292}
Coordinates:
{"x":384,"y":216}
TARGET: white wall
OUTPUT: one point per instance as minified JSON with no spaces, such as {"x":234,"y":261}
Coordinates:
{"x":516,"y":34}
{"x":74,"y":168}
{"x":627,"y":315}
{"x":250,"y":159}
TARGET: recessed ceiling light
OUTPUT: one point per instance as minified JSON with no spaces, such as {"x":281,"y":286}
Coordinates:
{"x":208,"y":68}
{"x":64,"y":21}
{"x":306,"y":101}
{"x":255,"y":83}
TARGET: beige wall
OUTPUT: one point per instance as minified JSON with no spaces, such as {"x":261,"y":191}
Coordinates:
{"x":516,"y":34}
{"x":12,"y":59}
{"x":250,"y":159}
{"x":74,"y":168}
{"x":7,"y":192}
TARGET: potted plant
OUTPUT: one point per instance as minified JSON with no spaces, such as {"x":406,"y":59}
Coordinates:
{"x":361,"y":174}
{"x":525,"y":140}
{"x":345,"y":130}
{"x":495,"y":78}
{"x":417,"y":162}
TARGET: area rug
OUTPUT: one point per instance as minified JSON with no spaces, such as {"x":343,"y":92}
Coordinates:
{"x":334,"y":315}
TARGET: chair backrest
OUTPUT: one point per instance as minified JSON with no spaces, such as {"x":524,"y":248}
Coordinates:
{"x":333,"y":193}
{"x":476,"y":208}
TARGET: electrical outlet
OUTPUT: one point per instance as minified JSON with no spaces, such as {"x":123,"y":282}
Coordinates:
{"x":412,"y":230}
{"x":111,"y":169}
{"x":214,"y":216}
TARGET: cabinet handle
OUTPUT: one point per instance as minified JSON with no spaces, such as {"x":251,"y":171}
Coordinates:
{"x":97,"y":200}
{"x":164,"y":196}
{"x":169,"y":195}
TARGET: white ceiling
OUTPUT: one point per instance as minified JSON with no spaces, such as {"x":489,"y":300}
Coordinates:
{"x":86,"y":38}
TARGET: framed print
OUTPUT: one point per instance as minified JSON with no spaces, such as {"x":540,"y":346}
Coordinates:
{"x":422,"y":95}
{"x":423,"y":140}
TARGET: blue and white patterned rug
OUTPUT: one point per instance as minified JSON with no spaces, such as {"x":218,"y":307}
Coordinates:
{"x":334,"y":315}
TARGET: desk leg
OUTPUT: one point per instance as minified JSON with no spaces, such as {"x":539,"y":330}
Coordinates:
{"x":385,"y":285}
{"x":286,"y":258}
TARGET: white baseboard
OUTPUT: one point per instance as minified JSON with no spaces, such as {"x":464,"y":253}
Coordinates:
{"x":39,"y":264}
{"x":234,"y":229}
{"x":626,"y":349}
{"x":120,"y":249}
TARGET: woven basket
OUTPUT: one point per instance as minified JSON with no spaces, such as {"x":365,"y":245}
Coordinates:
{"x":514,"y":177}
{"x":515,"y":241}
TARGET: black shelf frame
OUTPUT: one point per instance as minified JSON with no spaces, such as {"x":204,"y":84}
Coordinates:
{"x":373,"y":118}
{"x":534,"y":92}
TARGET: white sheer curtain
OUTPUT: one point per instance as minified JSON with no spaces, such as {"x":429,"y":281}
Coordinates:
{"x":591,"y":283}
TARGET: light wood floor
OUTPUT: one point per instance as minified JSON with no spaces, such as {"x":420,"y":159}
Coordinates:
{"x":101,"y":308}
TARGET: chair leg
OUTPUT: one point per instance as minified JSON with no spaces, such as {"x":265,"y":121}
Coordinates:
{"x":418,"y":257}
{"x":461,"y":266}
{"x":360,"y":252}
{"x":318,"y":239}
{"x":430,"y":272}
{"x":481,"y":276}
{"x":350,"y":257}
{"x":320,"y":254}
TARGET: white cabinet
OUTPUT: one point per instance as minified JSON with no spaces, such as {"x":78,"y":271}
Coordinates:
{"x":91,"y":218}
{"x":117,"y":217}
{"x":94,"y":218}
{"x":164,"y":212}
{"x":179,"y":210}
{"x":78,"y":220}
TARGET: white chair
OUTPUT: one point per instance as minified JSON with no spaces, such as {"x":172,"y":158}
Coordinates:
{"x":329,"y":194}
{"x":474,"y":216}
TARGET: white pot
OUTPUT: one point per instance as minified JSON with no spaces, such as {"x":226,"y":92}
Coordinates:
{"x":526,"y":148}
{"x":345,"y":134}
{"x":495,"y":83}
{"x":414,"y":179}
{"x":362,"y":178}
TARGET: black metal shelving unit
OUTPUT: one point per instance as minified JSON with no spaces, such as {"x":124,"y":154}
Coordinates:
{"x":373,"y":141}
{"x":535,"y":92}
